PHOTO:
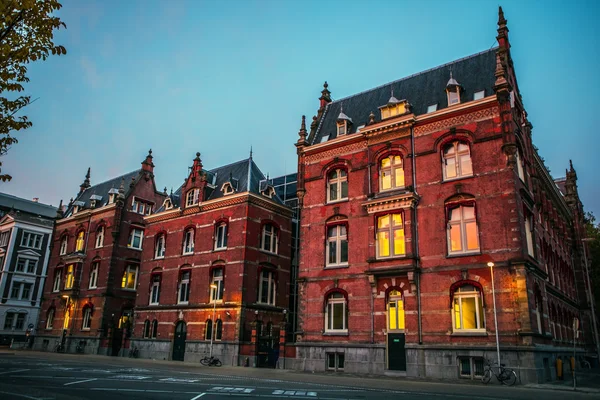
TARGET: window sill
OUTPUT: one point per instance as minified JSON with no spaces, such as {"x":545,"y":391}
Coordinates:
{"x":86,"y":329}
{"x":336,"y":201}
{"x":128,"y":290}
{"x":93,"y":287}
{"x":268,"y":252}
{"x":472,"y":253}
{"x":159,"y":258}
{"x":469,"y":333}
{"x":183,"y":303}
{"x":220,"y":249}
{"x":154,"y":304}
{"x":134,"y":248}
{"x":458,"y":178}
{"x":333,"y":333}
{"x":220,"y":301}
{"x":336,"y":266}
{"x":380,"y":259}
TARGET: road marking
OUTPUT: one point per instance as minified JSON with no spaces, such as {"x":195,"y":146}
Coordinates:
{"x":179,"y":380}
{"x":302,"y":393}
{"x":222,"y":389}
{"x":197,"y":397}
{"x":76,"y":382}
{"x":130,"y":377}
{"x":13,"y":372}
{"x":23,"y":396}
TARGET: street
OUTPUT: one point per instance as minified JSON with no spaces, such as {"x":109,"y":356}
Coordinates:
{"x":62,"y":376}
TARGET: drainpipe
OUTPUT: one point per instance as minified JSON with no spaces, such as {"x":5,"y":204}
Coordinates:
{"x":372,"y":294}
{"x":416,"y":230}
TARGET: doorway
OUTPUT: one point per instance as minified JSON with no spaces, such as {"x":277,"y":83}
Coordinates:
{"x":396,"y":339}
{"x":179,"y":341}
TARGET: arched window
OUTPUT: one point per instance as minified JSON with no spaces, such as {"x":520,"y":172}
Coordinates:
{"x":395,"y":309}
{"x":80,"y":244}
{"x":50,"y":318}
{"x":391,"y":173}
{"x":94,"y":271}
{"x":57,"y":279}
{"x":208,"y":328}
{"x":520,"y":164}
{"x":154,"y":329}
{"x":267,"y":288}
{"x":184,"y":287}
{"x":219,"y":330}
{"x":216,"y":294}
{"x":463,"y":235}
{"x":221,"y":236}
{"x":86,"y":323}
{"x":63,"y":245}
{"x":70,"y":276}
{"x":192,"y":197}
{"x":337,"y":185}
{"x":155,"y":288}
{"x":269,"y":238}
{"x":159,"y":248}
{"x":129,"y":279}
{"x":337,"y":245}
{"x":390,"y":236}
{"x":467,"y":309}
{"x":336,"y":319}
{"x":188,"y":241}
{"x":100,"y":237}
{"x":456,"y":158}
{"x":146,"y":329}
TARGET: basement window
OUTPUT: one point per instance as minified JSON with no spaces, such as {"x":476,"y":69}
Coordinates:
{"x":470,"y":367}
{"x":335,"y":361}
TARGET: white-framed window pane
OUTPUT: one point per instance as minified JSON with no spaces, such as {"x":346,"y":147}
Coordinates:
{"x":338,"y":316}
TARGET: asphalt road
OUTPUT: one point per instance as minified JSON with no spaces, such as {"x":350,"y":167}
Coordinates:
{"x":48,"y":376}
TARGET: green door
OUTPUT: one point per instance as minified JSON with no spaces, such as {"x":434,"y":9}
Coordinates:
{"x":396,"y":352}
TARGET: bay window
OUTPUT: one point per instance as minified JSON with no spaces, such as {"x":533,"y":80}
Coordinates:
{"x":135,"y":239}
{"x":129,"y":279}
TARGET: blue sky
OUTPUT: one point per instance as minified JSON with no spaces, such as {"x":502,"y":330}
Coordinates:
{"x":218,"y":77}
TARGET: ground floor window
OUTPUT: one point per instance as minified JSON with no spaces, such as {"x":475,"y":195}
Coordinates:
{"x":335,"y":361}
{"x":470,"y":367}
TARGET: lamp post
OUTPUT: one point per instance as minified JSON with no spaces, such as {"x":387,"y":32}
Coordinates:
{"x":212,"y":328}
{"x":589,"y":288}
{"x":491,"y":265}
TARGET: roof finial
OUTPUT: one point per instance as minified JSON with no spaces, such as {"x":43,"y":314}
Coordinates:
{"x":165,"y":190}
{"x":171,"y":190}
{"x":251,"y":152}
{"x":86,"y":182}
{"x":571,"y":165}
{"x":87,"y":176}
{"x":325,"y":95}
{"x":371,"y":118}
{"x":501,"y":19}
{"x":150,"y":153}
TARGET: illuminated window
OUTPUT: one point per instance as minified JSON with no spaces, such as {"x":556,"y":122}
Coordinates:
{"x":390,"y":236}
{"x":395,"y":311}
{"x":80,"y":243}
{"x":217,"y":279}
{"x":335,"y":314}
{"x":337,"y":185}
{"x":456,"y":158}
{"x":468,"y":310}
{"x":192,"y":197}
{"x":159,"y":251}
{"x":269,"y":238}
{"x":337,"y":245}
{"x":129,"y":277}
{"x":267,"y":288}
{"x":463,"y":236}
{"x":69,"y":277}
{"x":221,"y":236}
{"x":391,"y":173}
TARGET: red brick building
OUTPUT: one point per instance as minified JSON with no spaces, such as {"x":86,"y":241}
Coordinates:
{"x":407,"y":192}
{"x":91,"y":286}
{"x":228,"y":228}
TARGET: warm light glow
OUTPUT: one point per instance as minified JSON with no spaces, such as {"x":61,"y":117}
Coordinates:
{"x":490,"y":264}
{"x":212,"y":285}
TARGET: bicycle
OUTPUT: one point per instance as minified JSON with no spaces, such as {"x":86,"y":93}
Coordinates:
{"x":211,"y":361}
{"x":80,"y":348}
{"x":505,"y":376}
{"x":59,"y":348}
{"x":134,"y":352}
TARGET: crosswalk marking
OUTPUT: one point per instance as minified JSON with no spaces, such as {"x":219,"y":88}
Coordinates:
{"x":294,"y":393}
{"x":231,"y":389}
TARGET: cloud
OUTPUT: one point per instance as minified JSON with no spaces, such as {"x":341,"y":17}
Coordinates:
{"x":90,"y":73}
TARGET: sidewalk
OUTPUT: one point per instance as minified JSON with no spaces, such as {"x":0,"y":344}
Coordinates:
{"x":588,"y":381}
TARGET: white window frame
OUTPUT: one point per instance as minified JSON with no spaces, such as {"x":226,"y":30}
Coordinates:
{"x":462,"y":224}
{"x":453,"y":96}
{"x":86,"y":323}
{"x":27,"y":269}
{"x":155,"y":290}
{"x":126,"y":275}
{"x":32,"y":240}
{"x":268,"y":277}
{"x":50,"y":318}
{"x":520,"y":168}
{"x":160,"y":248}
{"x":398,"y":302}
{"x":188,"y":241}
{"x":333,"y":299}
{"x":183,"y":294}
{"x":340,"y":182}
{"x":336,"y":361}
{"x":136,"y":232}
{"x":340,"y":236}
{"x":391,"y":169}
{"x":192,"y":197}
{"x":221,"y":236}
{"x":13,"y":318}
{"x":529,"y":234}
{"x":390,"y":230}
{"x":100,"y":237}
{"x":57,"y":280}
{"x":456,"y":156}
{"x":63,"y":245}
{"x":217,"y":294}
{"x":94,"y":275}
{"x":342,"y":128}
{"x":479,"y":309}
{"x":269,"y":238}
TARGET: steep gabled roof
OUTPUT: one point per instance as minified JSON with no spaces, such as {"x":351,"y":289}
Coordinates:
{"x":474,"y":73}
{"x":8,"y":201}
{"x":102,"y":189}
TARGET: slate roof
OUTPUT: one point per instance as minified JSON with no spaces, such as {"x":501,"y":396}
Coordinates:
{"x":103,"y":188}
{"x":473,"y":73}
{"x":8,"y":202}
{"x":28,"y":218}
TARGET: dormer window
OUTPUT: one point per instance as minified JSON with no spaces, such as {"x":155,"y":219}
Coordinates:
{"x":269,"y":192}
{"x":77,"y":206}
{"x":112,"y":195}
{"x":93,"y":203}
{"x":343,"y":124}
{"x":394,"y":107}
{"x":453,"y":89}
{"x":75,"y":209}
{"x":192,"y":197}
{"x":168,"y":204}
{"x":227,"y":188}
{"x":94,"y":199}
{"x":341,"y":128}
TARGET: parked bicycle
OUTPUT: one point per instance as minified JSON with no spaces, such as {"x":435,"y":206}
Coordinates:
{"x":80,"y":348}
{"x":211,"y":361}
{"x":505,"y":376}
{"x":134,"y":352}
{"x":59,"y":348}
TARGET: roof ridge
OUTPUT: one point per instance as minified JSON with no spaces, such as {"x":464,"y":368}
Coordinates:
{"x":27,"y":200}
{"x":412,"y":76}
{"x":227,"y":165}
{"x":111,"y":179}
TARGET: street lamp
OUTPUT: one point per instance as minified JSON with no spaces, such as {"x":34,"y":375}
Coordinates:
{"x":491,"y":265}
{"x":589,"y":288}
{"x":213,"y":286}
